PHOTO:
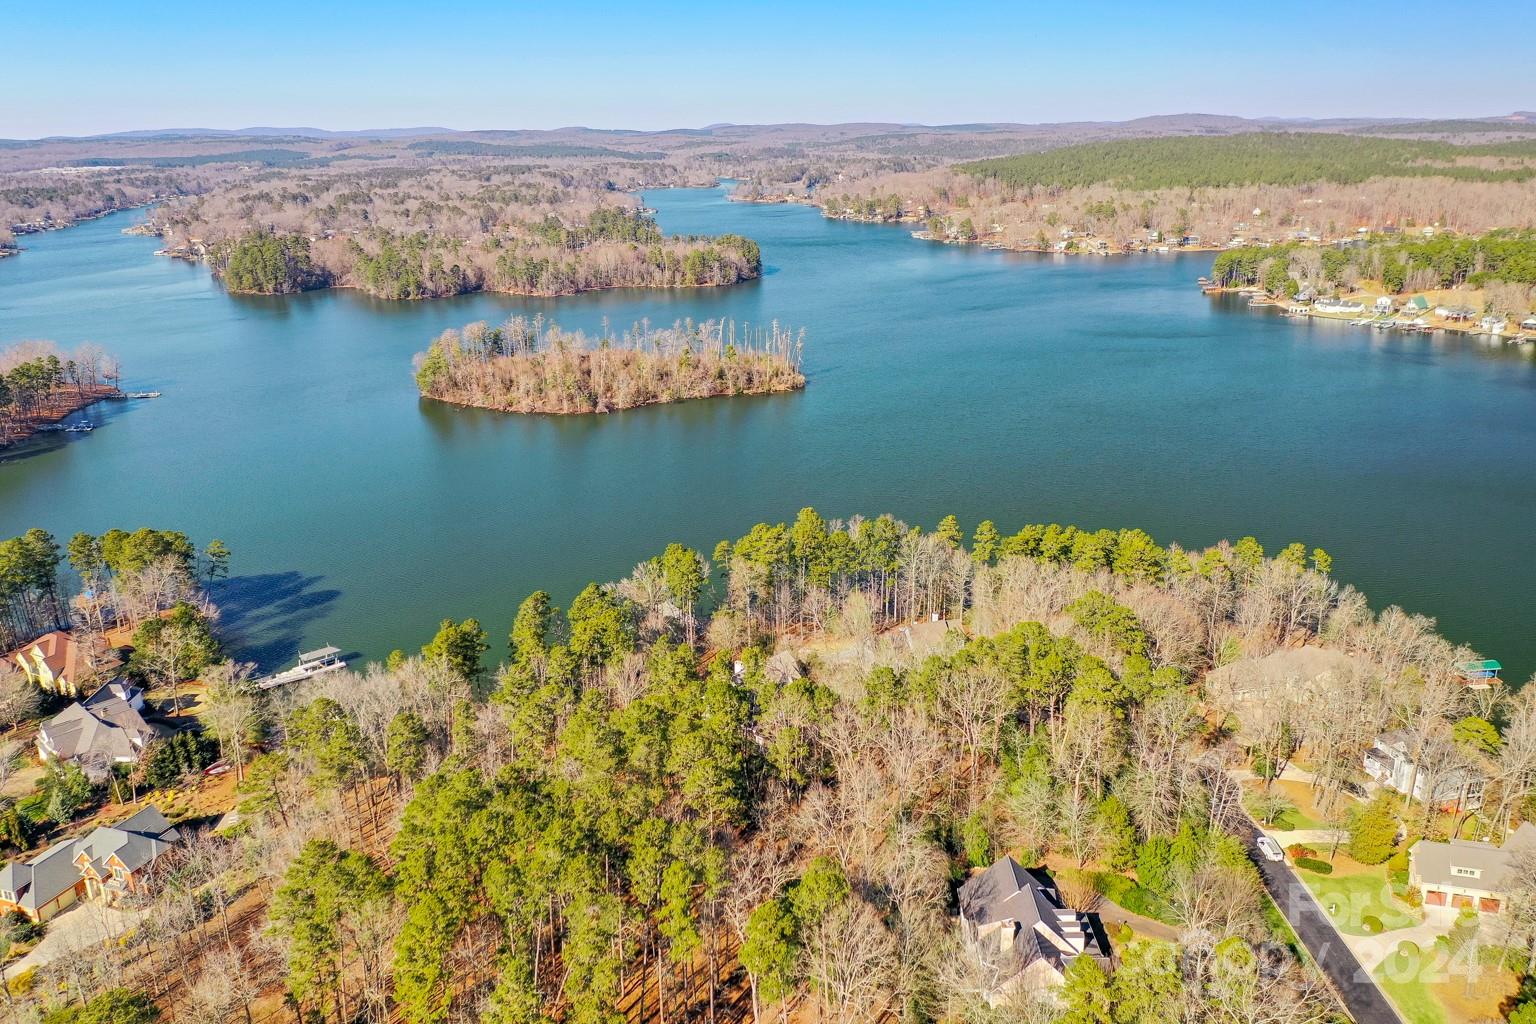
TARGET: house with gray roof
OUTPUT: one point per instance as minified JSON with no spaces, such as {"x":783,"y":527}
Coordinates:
{"x":42,"y":886}
{"x":1389,"y":762}
{"x":104,"y":729}
{"x":113,"y":860}
{"x":1465,"y":874}
{"x":1016,"y":922}
{"x":106,"y":864}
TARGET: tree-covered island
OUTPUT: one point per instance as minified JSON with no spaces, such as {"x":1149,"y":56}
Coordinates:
{"x":526,"y":366}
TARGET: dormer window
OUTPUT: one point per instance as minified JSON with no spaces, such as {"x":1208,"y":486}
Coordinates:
{"x":1465,"y":872}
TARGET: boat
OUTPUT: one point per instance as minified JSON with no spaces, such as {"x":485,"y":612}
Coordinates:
{"x":311,"y":664}
{"x":80,"y":428}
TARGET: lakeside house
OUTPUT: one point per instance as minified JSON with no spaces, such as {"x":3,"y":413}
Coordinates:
{"x":1528,"y":324}
{"x":111,"y":861}
{"x":1385,"y":304}
{"x":58,"y":663}
{"x":1390,"y":763}
{"x":104,"y":729}
{"x":1493,"y":324}
{"x":1336,"y":305}
{"x":1016,"y":922}
{"x":1455,"y":312}
{"x":1463,"y":874}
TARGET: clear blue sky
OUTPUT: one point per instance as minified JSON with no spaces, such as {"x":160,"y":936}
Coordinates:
{"x":98,"y":65}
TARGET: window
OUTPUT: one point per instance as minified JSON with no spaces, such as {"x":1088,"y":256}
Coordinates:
{"x":1465,"y":872}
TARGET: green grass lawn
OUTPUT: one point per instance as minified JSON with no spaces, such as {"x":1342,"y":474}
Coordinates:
{"x":1349,"y":899}
{"x":1291,"y":820}
{"x":1294,"y":821}
{"x":1398,"y":979}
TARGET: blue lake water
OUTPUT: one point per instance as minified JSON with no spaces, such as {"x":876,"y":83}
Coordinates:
{"x":1021,"y":388}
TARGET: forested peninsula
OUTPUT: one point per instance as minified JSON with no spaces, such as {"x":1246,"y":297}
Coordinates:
{"x":1192,"y":193}
{"x":40,"y":384}
{"x":427,"y":232}
{"x":527,"y":366}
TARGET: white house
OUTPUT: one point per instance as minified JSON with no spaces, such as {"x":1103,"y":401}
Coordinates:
{"x":1390,"y":763}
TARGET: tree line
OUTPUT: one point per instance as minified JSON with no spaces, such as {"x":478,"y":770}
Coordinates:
{"x":1501,"y":263}
{"x":1255,"y":158}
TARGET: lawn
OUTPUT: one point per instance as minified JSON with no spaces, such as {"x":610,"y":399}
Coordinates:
{"x":1303,"y":813}
{"x":1398,"y":976}
{"x":1350,"y":898}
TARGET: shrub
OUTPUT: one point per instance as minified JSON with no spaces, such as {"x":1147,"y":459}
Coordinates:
{"x":1138,"y":899}
{"x":1373,"y":832}
{"x":1413,"y":897}
{"x":1371,"y":924}
{"x":22,"y":928}
{"x":1317,"y":867}
{"x":976,"y":839}
{"x":1298,"y":851}
{"x":1398,"y":877}
{"x":1399,"y":861}
{"x":181,"y":755}
{"x":22,"y":983}
{"x":1408,"y":948}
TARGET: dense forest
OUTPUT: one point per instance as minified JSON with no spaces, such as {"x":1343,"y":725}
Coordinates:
{"x":1202,"y":192}
{"x":1259,"y":158}
{"x":527,"y":366}
{"x":267,"y":264}
{"x":747,"y":786}
{"x":425,"y":232}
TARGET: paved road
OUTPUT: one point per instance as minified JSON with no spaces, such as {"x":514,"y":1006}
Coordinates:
{"x":1362,"y":998}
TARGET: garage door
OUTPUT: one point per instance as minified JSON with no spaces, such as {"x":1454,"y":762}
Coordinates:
{"x":1434,"y":897}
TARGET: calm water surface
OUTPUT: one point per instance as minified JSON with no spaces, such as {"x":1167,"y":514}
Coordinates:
{"x":1103,"y":392}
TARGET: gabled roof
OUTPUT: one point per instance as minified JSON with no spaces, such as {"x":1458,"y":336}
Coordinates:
{"x":1494,"y":864}
{"x":42,"y":879}
{"x":134,"y":842}
{"x":109,"y":727}
{"x":120,"y":689}
{"x":59,"y":652}
{"x":64,"y":656}
{"x":1046,"y":929}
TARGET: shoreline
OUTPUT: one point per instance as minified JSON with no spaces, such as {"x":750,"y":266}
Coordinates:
{"x":41,"y":422}
{"x":473,"y":291}
{"x":35,"y":228}
{"x":458,"y":404}
{"x":993,"y":245}
{"x":1376,"y":321}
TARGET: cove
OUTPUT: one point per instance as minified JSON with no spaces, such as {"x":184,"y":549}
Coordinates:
{"x":1016,"y":387}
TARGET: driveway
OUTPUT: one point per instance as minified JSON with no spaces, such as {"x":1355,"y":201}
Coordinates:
{"x":82,"y":926}
{"x":1353,"y":983}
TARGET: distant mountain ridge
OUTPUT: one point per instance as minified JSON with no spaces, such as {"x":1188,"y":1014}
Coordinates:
{"x":1173,"y":123}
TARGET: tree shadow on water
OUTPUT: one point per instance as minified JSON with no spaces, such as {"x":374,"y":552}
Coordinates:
{"x":266,"y":616}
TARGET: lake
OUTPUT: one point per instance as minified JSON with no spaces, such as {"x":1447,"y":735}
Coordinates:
{"x":1105,"y":392}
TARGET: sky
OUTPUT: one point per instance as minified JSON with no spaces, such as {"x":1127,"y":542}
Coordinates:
{"x":98,"y":66}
